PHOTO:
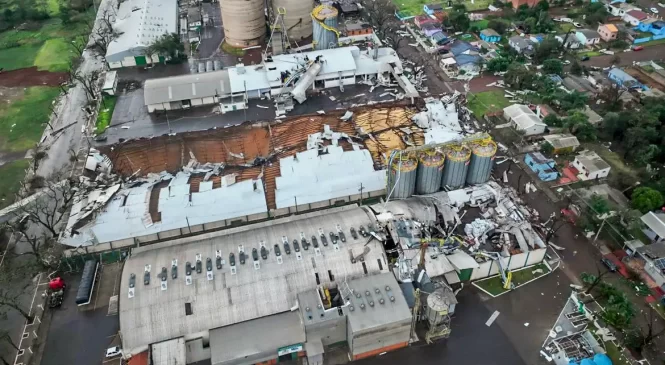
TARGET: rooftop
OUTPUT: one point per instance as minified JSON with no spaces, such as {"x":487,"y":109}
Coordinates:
{"x":611,"y":27}
{"x":256,"y":289}
{"x":562,"y":140}
{"x":489,"y":32}
{"x":376,"y":301}
{"x":656,"y":222}
{"x":184,"y":87}
{"x":539,"y":158}
{"x":637,"y":14}
{"x":592,"y":161}
{"x":589,"y":33}
{"x":522,"y":116}
{"x":139,"y":23}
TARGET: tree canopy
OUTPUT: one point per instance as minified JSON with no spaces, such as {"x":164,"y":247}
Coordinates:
{"x":646,"y":199}
{"x":167,"y":45}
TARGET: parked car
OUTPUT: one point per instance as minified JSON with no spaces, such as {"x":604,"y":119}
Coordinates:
{"x":584,"y":58}
{"x":610,"y":265}
{"x":100,"y":138}
{"x":113,"y":351}
{"x":577,"y":25}
{"x":654,"y":10}
{"x":661,"y":5}
{"x":638,"y":48}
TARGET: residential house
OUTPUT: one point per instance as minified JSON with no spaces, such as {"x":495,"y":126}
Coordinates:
{"x":536,"y":38}
{"x":594,"y":118}
{"x":541,"y":165}
{"x":430,"y":9}
{"x":469,"y":63}
{"x":579,"y":84}
{"x":562,"y":143}
{"x":623,"y":79}
{"x":521,"y":45}
{"x":517,"y":3}
{"x":556,"y":79}
{"x":430,"y":29}
{"x":439,"y":38}
{"x":459,"y":47}
{"x":598,"y":79}
{"x":654,"y":226}
{"x":421,"y":20}
{"x":634,"y":17}
{"x":608,"y":32}
{"x":571,"y":40}
{"x":543,"y":110}
{"x":652,"y":25}
{"x":524,"y":120}
{"x":490,"y":35}
{"x":590,"y":166}
{"x":654,"y":261}
{"x":619,"y":8}
{"x":587,"y":37}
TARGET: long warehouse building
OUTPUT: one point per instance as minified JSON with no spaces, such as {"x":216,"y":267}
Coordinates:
{"x":266,"y":292}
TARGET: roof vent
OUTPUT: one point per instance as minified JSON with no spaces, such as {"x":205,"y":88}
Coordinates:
{"x":209,"y":274}
{"x":392,"y":299}
{"x":164,"y":274}
{"x":377,"y":291}
{"x":241,"y":257}
{"x":362,"y":230}
{"x":382,"y":301}
{"x":315,"y":242}
{"x":354,"y":234}
{"x":199,"y":264}
{"x":232,"y":262}
{"x":264,"y":253}
{"x":352,"y":308}
{"x":287,"y":248}
{"x":333,"y":238}
{"x":318,"y":306}
{"x":362,"y":305}
{"x":307,"y":309}
{"x":387,"y":288}
{"x":132,"y":284}
{"x":324,"y":240}
{"x":367,"y":293}
{"x":174,"y":269}
{"x":188,"y":268}
{"x":371,"y":303}
{"x":358,"y":295}
{"x":278,"y":252}
{"x":305,"y":244}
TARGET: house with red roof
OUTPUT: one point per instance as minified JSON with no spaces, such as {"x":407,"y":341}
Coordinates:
{"x":634,"y":17}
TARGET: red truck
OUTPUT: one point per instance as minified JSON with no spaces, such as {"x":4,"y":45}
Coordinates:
{"x":56,"y":292}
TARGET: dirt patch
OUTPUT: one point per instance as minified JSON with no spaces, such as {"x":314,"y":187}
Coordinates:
{"x":31,"y":77}
{"x":8,"y":95}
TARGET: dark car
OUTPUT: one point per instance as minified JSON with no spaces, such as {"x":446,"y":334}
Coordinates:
{"x":100,"y":138}
{"x":584,"y":58}
{"x":610,"y":265}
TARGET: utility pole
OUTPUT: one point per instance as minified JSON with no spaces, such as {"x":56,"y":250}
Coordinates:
{"x":599,"y":229}
{"x":295,"y":199}
{"x":361,"y":194}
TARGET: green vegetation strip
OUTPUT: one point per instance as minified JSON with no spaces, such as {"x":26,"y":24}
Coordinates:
{"x":22,"y":121}
{"x":105,"y":113}
{"x":232,"y":50}
{"x":11,"y":175}
{"x":487,"y":101}
{"x":494,"y":285}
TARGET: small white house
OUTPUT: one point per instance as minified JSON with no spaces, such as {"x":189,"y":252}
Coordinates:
{"x":110,"y":82}
{"x":590,"y":166}
{"x":634,"y":17}
{"x":524,"y":120}
{"x":588,"y":37}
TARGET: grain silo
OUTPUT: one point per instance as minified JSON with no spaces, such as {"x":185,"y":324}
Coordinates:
{"x":297,"y":17}
{"x":324,"y":20}
{"x":457,"y":164}
{"x":244,"y":22}
{"x":430,"y":171}
{"x":481,"y":162}
{"x":402,"y":176}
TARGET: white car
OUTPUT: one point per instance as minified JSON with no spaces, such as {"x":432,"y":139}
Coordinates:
{"x":654,"y":10}
{"x":661,"y":5}
{"x":577,"y":25}
{"x":113,"y":351}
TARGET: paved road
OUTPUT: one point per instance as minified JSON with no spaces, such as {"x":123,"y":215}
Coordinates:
{"x":627,"y":58}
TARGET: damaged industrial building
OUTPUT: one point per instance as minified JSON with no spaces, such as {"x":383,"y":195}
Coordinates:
{"x":349,"y":229}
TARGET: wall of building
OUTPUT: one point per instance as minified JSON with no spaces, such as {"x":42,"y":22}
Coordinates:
{"x":514,"y":262}
{"x":194,"y":351}
{"x":330,"y":332}
{"x":655,"y":274}
{"x":367,"y":343}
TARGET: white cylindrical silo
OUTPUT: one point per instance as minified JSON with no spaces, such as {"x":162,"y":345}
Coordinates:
{"x":402,"y":174}
{"x":244,"y":22}
{"x":481,"y":163}
{"x":297,"y":18}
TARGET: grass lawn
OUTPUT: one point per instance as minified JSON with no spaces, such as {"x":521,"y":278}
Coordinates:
{"x":54,"y":55}
{"x":477,"y":4}
{"x":415,"y":7}
{"x":616,"y":162}
{"x":566,"y":27}
{"x":486,"y":101}
{"x":11,"y":175}
{"x":480,"y":24}
{"x":232,"y":50}
{"x":47,"y":47}
{"x":589,"y":53}
{"x":22,"y":122}
{"x":105,"y":114}
{"x":494,"y":285}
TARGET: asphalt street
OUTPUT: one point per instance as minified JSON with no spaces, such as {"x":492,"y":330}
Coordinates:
{"x":649,"y":53}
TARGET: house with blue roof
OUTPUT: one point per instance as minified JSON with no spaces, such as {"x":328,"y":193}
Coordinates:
{"x":458,"y":47}
{"x":490,"y":35}
{"x":469,"y":63}
{"x":652,"y":25}
{"x":623,"y":79}
{"x":439,"y":38}
{"x":541,"y":165}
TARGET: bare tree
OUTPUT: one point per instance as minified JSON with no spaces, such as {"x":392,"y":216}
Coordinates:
{"x":10,"y":296}
{"x":103,"y":34}
{"x":88,"y":81}
{"x":380,"y":15}
{"x":46,"y":208}
{"x":40,"y":244}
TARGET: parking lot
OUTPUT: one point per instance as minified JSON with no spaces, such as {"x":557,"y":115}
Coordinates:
{"x":88,"y":327}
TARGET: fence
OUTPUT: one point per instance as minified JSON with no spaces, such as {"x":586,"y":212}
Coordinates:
{"x":648,"y":39}
{"x":75,"y":261}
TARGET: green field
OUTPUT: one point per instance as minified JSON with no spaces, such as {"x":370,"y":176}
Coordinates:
{"x":105,"y":113}
{"x":480,"y":24}
{"x":22,"y":121}
{"x":589,"y":53}
{"x":494,"y":285}
{"x":47,"y":47}
{"x":481,"y":103}
{"x":415,"y":7}
{"x":11,"y":175}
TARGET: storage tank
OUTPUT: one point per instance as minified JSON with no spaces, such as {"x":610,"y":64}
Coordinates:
{"x":300,"y":89}
{"x":457,"y":164}
{"x":324,"y":27}
{"x":430,"y":171}
{"x":481,"y":162}
{"x":244,"y":22}
{"x":438,"y":307}
{"x":406,"y":167}
{"x":297,"y":18}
